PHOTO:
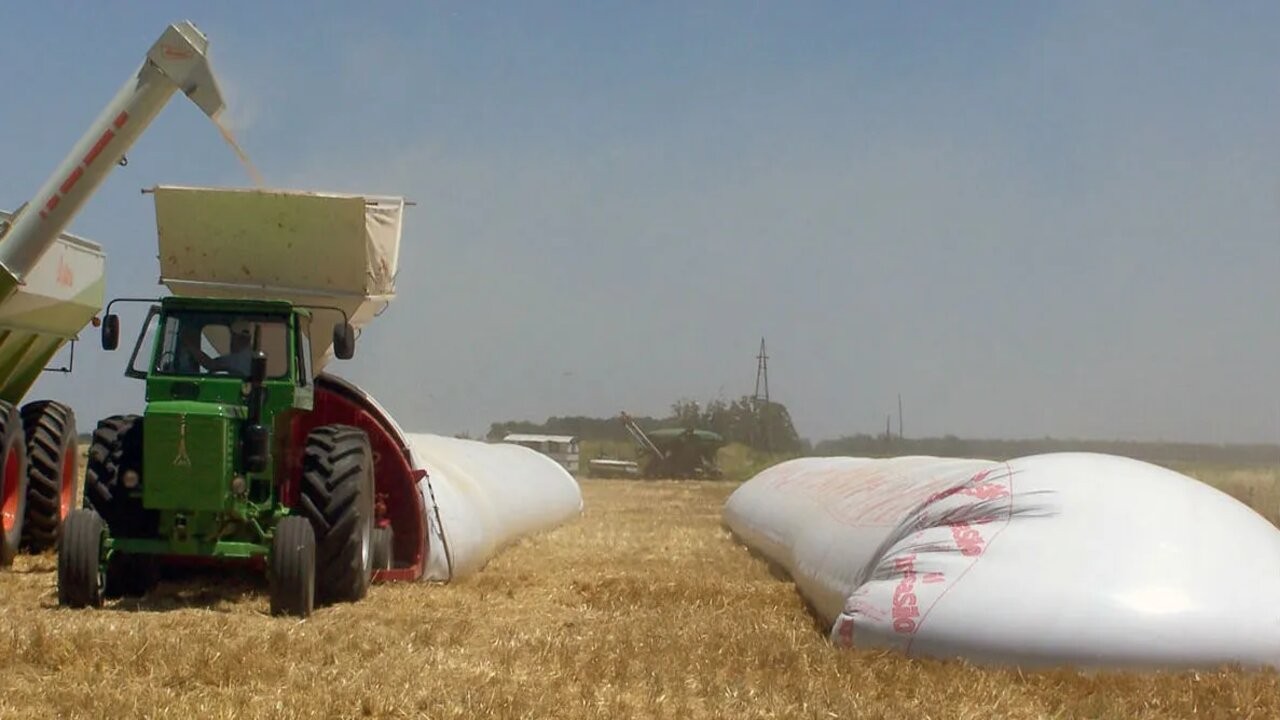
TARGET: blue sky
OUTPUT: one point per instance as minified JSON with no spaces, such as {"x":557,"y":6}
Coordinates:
{"x":1029,"y":218}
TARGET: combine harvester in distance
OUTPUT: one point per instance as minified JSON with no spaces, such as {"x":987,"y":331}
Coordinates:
{"x":675,"y":452}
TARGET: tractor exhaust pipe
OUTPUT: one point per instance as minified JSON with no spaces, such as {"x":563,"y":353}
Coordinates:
{"x":256,"y":446}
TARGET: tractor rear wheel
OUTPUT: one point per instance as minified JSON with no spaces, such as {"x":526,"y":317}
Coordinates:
{"x":293,"y":567}
{"x":337,"y":497}
{"x":80,"y":578}
{"x":13,"y":482}
{"x":114,"y":469}
{"x":52,"y":467}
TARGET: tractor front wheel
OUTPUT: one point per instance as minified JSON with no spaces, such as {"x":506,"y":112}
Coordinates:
{"x":80,"y":560}
{"x":113,"y":475}
{"x":337,"y":497}
{"x":293,"y":567}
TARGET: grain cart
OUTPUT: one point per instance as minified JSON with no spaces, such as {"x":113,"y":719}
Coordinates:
{"x":247,"y":451}
{"x":51,"y":286}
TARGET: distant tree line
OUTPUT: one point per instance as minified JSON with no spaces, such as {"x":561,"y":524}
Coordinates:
{"x":582,"y":427}
{"x":952,"y":446}
{"x":759,"y":425}
{"x":767,"y":427}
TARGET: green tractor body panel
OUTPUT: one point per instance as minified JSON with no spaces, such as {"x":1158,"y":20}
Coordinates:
{"x":190,"y":546}
{"x":190,"y":453}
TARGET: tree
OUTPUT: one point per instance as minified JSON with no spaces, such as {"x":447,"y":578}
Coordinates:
{"x":686,"y":413}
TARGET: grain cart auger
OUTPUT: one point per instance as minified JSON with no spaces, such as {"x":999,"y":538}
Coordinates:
{"x":51,"y":286}
{"x":246,"y":451}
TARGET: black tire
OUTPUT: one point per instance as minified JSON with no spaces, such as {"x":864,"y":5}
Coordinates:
{"x":13,"y":482}
{"x":80,"y":578}
{"x":382,"y":548}
{"x":292,"y":572}
{"x":52,"y":467}
{"x":337,"y":497}
{"x":130,"y":575}
{"x":117,"y":450}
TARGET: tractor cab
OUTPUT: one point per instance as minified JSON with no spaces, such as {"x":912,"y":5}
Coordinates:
{"x":224,"y":379}
{"x":203,"y":349}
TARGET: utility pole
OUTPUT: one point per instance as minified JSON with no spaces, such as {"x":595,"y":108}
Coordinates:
{"x":762,"y":374}
{"x":899,"y":416}
{"x":761,"y":398}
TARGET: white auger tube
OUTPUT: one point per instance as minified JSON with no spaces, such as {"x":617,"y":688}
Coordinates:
{"x":1064,"y":559}
{"x":177,"y":61}
{"x":480,"y":497}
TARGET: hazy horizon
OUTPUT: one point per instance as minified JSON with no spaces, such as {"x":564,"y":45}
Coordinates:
{"x":1050,"y":219}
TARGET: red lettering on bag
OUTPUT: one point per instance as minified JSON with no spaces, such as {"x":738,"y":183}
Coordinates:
{"x":967,"y":539}
{"x":905,"y":608}
{"x":986,"y":491}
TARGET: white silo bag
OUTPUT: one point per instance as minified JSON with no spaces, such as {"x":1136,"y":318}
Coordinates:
{"x":479,"y":497}
{"x":1082,"y":559}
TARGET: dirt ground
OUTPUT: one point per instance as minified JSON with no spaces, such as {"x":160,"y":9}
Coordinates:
{"x":644,"y":607}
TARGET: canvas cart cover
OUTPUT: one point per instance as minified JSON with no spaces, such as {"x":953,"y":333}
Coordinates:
{"x":318,"y":249}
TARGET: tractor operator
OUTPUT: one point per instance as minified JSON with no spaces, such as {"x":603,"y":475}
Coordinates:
{"x":237,"y":359}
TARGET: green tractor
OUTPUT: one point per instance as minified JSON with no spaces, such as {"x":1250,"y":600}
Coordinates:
{"x":200,"y":472}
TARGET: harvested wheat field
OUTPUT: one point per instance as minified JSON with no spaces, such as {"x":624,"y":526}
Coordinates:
{"x":644,"y":607}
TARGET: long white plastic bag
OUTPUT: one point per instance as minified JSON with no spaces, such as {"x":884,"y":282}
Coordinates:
{"x":480,"y":497}
{"x":1082,"y":559}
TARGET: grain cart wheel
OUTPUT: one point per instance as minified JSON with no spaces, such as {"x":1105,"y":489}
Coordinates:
{"x":293,"y":567}
{"x":80,"y":560}
{"x":52,"y":467}
{"x":382,"y":548}
{"x":337,"y":497}
{"x":13,"y":482}
{"x":113,"y":469}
